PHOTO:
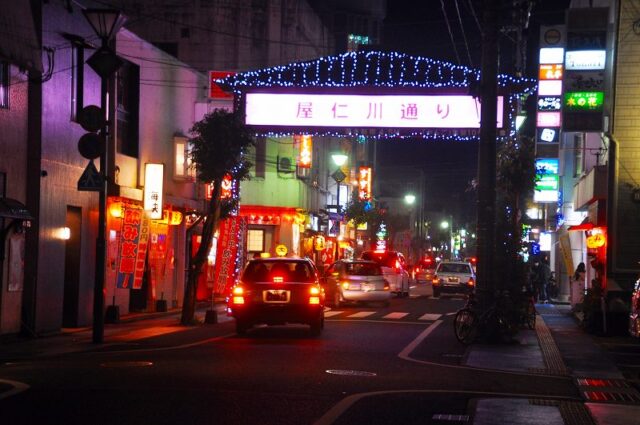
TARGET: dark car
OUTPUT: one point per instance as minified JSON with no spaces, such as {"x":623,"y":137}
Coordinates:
{"x":424,"y":270}
{"x":278,"y":291}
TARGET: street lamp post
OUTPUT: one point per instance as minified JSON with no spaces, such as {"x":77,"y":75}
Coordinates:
{"x":105,"y":23}
{"x":448,"y":225}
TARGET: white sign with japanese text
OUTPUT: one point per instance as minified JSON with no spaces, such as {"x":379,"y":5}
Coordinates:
{"x":390,"y":111}
{"x":153,"y":181}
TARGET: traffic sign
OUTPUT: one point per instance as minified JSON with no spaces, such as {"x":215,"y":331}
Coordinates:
{"x":90,"y":145}
{"x":91,"y":179}
{"x":91,"y":118}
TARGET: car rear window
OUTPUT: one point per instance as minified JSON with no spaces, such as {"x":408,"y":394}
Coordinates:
{"x":283,"y":271}
{"x":385,"y":259}
{"x":363,"y":269}
{"x":428,"y":264}
{"x":454,"y":268}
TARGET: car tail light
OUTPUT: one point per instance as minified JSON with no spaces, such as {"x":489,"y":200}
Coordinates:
{"x":386,"y":286}
{"x":397,"y":265}
{"x":315,"y":295}
{"x":345,"y":285}
{"x":471,"y":282}
{"x":238,"y":295}
{"x":435,"y":281}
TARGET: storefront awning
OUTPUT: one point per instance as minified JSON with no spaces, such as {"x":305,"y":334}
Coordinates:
{"x":585,"y":225}
{"x":11,"y":208}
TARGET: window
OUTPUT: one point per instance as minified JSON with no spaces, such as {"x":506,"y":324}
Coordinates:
{"x":255,"y":240}
{"x":182,"y":161}
{"x":77,"y":80}
{"x":127,"y":109}
{"x":4,"y":85}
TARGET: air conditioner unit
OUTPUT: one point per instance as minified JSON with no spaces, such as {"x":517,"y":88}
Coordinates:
{"x":285,"y":165}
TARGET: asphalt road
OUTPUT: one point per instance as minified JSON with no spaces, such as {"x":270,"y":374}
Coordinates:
{"x":372,"y":364}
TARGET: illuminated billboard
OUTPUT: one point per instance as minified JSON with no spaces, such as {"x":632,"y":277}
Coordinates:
{"x":547,"y":180}
{"x":549,"y":119}
{"x":584,"y":101}
{"x":551,"y":55}
{"x":584,"y":60}
{"x":549,"y":88}
{"x":550,"y":72}
{"x":369,"y":111}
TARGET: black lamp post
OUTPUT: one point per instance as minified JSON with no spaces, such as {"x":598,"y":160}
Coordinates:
{"x":105,"y":23}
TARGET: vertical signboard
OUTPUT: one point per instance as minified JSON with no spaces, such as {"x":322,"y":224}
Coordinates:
{"x":585,"y":63}
{"x":364,"y":183}
{"x":132,"y":252}
{"x":153,"y":182}
{"x":305,"y":150}
{"x":551,"y":72}
{"x":231,"y":235}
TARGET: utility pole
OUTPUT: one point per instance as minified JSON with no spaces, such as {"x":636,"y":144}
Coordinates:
{"x":487,"y":154}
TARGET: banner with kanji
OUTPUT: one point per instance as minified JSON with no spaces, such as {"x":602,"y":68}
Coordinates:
{"x":132,"y":251}
{"x":229,"y":247}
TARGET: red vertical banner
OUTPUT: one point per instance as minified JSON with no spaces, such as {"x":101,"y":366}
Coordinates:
{"x":143,"y":245}
{"x":227,"y":253}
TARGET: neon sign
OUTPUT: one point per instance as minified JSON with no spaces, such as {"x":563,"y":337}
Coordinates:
{"x":584,"y":101}
{"x":550,"y":72}
{"x":305,"y":146}
{"x":364,"y":183}
{"x":370,"y":111}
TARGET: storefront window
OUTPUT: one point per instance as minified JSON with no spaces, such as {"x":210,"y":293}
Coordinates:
{"x":255,"y":240}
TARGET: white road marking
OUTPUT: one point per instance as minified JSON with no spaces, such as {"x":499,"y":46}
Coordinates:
{"x":18,"y":387}
{"x":451,"y":314}
{"x":395,"y":315}
{"x":362,"y":314}
{"x":332,"y":313}
{"x":430,"y":316}
{"x":404,"y":354}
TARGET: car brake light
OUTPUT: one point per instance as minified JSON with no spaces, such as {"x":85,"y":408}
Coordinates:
{"x":386,"y":286}
{"x":345,"y":285}
{"x":238,"y":295}
{"x":315,"y":291}
{"x":435,"y":281}
{"x":471,"y":282}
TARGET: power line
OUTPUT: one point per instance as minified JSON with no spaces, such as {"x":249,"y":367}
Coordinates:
{"x":464,"y":35}
{"x":453,"y":43}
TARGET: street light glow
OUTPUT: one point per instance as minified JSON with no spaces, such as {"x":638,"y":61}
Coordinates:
{"x":339,"y":159}
{"x":409,"y":199}
{"x":444,"y":225}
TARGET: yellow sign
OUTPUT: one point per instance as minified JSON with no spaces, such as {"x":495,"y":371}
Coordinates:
{"x":281,"y":250}
{"x":596,"y":241}
{"x":319,"y":243}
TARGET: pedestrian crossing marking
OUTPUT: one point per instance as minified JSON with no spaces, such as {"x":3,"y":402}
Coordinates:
{"x":362,"y":314}
{"x":395,"y":315}
{"x":430,"y":316}
{"x":332,"y":313}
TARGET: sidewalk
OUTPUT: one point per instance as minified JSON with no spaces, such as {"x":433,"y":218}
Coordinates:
{"x":558,"y":346}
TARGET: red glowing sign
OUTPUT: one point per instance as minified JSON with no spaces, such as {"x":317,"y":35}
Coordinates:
{"x":364,"y":183}
{"x":305,"y":144}
{"x":226,"y":190}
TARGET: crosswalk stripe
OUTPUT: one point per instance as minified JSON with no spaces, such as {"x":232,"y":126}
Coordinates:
{"x":395,"y":315}
{"x":362,"y":314}
{"x":430,"y":316}
{"x":332,"y":313}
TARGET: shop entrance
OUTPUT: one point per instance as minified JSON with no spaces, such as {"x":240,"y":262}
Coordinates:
{"x":73,"y":226}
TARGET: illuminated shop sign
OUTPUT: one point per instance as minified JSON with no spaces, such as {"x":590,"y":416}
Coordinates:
{"x":584,"y":81}
{"x":584,"y":60}
{"x":549,"y":88}
{"x":547,"y":180}
{"x":550,"y":72}
{"x":376,"y":111}
{"x":305,"y":150}
{"x":551,"y":55}
{"x":548,"y":135}
{"x":226,"y":188}
{"x":549,"y":103}
{"x":153,"y":180}
{"x":364,"y":183}
{"x":548,"y":119}
{"x":584,"y":101}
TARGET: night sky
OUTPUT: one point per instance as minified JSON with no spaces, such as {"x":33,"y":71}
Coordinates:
{"x":419,"y":28}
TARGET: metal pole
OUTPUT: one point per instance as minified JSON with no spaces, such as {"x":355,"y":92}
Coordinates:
{"x":101,"y":251}
{"x":487,"y":154}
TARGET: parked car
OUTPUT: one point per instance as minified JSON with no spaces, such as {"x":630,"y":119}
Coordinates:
{"x":634,"y":314}
{"x":454,"y":277}
{"x":278,"y":291}
{"x":356,"y":281}
{"x":425,"y":269}
{"x":394,"y":269}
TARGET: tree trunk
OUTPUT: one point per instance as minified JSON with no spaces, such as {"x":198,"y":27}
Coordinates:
{"x":196,"y":263}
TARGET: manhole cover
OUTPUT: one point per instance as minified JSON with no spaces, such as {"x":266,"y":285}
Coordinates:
{"x":126,"y":364}
{"x":350,"y":372}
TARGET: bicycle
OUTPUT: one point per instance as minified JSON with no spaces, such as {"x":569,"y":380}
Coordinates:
{"x":527,"y":310}
{"x":492,"y":323}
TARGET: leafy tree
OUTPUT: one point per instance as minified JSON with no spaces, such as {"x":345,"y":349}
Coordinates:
{"x":361,"y":212}
{"x":515,"y":177}
{"x":218,"y":146}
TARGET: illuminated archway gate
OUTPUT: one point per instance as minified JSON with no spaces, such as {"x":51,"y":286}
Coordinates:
{"x":375,"y":94}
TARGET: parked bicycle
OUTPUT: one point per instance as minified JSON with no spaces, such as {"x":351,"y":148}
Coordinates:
{"x":493,"y":324}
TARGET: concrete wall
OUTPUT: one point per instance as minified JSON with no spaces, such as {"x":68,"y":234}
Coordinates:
{"x":13,"y":162}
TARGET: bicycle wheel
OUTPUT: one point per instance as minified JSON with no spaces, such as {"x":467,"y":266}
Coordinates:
{"x":465,"y":325}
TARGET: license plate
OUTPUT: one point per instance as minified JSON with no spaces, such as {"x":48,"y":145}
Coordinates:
{"x":354,"y":286}
{"x":276,"y":296}
{"x":453,"y":280}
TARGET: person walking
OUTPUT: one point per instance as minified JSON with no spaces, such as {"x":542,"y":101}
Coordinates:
{"x":543,"y":274}
{"x":577,"y":284}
